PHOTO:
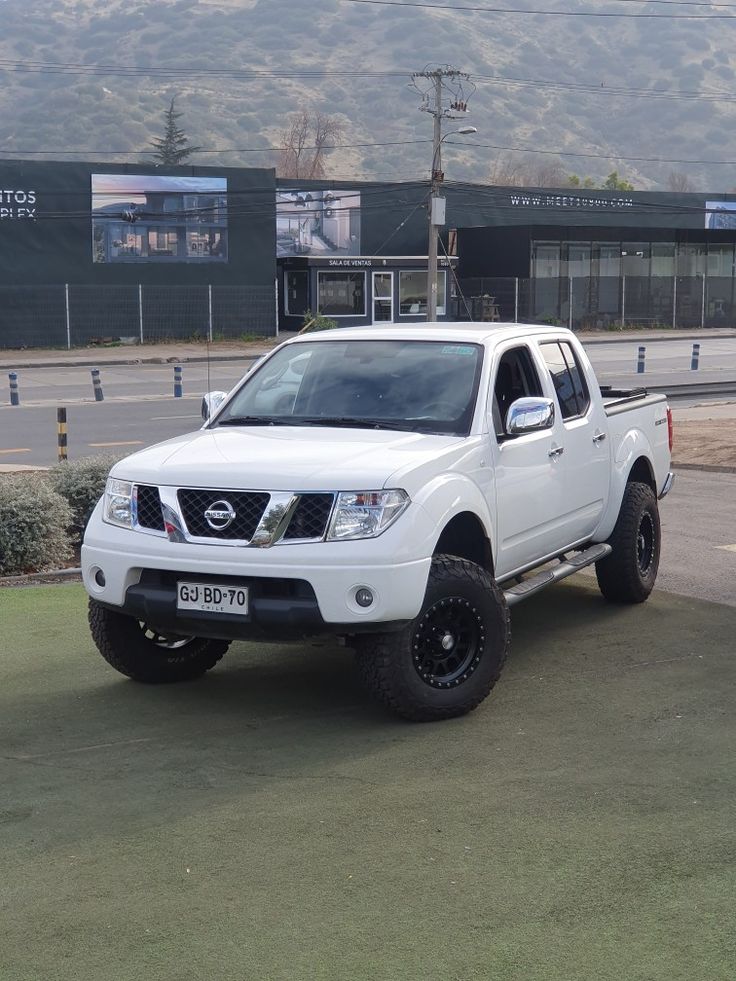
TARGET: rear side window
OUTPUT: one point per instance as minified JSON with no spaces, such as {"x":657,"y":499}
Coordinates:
{"x":567,"y":376}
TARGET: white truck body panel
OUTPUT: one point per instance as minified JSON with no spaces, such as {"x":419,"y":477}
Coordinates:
{"x":534,"y":497}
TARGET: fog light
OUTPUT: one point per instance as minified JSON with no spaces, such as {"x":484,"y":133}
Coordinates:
{"x":363,"y":596}
{"x":100,"y":577}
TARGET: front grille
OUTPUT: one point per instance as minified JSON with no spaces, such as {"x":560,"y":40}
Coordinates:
{"x":310,"y":517}
{"x":149,"y":507}
{"x":248,"y":507}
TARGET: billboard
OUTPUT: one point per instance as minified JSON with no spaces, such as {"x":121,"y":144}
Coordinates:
{"x":720,"y":214}
{"x":317,"y":222}
{"x":159,"y":218}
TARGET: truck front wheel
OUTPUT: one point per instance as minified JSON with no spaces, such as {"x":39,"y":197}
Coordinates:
{"x":628,"y":574}
{"x":449,"y":658}
{"x":142,"y":653}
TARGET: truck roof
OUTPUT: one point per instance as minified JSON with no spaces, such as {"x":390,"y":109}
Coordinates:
{"x":442,"y":331}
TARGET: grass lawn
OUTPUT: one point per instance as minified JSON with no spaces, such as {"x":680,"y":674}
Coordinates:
{"x":269,"y":822}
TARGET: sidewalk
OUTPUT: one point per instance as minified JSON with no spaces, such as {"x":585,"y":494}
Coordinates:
{"x":187,"y":351}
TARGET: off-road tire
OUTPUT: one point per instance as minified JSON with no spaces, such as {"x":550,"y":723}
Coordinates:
{"x":413,"y":674}
{"x":628,"y":574}
{"x":123,"y":642}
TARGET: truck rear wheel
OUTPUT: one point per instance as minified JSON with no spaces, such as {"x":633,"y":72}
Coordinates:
{"x":144,"y":654}
{"x":628,"y":574}
{"x":449,"y":658}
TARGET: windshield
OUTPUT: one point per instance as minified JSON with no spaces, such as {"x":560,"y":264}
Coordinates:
{"x":417,"y":386}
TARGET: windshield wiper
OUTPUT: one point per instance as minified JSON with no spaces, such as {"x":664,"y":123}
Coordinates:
{"x":252,"y":421}
{"x":351,"y":422}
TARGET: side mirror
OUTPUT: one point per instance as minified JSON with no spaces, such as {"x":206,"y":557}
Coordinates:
{"x":529,"y":415}
{"x":211,"y":402}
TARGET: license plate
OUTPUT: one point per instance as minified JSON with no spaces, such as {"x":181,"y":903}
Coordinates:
{"x":209,"y":598}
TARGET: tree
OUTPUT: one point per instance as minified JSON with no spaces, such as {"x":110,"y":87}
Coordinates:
{"x":171,"y":148}
{"x":677,"y":181}
{"x":305,"y":144}
{"x":615,"y":183}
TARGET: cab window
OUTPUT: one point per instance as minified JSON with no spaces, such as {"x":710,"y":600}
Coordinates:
{"x":567,"y":377}
{"x":516,"y":377}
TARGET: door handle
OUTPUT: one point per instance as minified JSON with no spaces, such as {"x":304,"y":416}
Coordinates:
{"x":599,"y":437}
{"x":556,"y":451}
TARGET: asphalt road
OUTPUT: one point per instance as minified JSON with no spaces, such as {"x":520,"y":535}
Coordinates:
{"x":139,"y":407}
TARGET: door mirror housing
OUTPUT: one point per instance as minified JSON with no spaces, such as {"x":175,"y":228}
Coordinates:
{"x":529,"y":415}
{"x":211,"y":402}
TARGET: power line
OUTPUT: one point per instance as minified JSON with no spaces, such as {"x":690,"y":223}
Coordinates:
{"x":546,"y":13}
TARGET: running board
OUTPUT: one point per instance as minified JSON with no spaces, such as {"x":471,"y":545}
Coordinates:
{"x":566,"y":568}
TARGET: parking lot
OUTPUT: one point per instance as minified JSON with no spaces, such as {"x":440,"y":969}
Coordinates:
{"x":271,"y":823}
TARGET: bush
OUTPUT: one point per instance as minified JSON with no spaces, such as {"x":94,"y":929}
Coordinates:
{"x":34,"y":525}
{"x":317,"y":321}
{"x":81,"y":483}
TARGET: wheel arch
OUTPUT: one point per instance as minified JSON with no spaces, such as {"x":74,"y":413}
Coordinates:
{"x":465,"y":537}
{"x":642,"y":473}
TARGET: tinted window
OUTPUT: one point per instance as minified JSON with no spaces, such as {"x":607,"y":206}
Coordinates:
{"x":572,"y":392}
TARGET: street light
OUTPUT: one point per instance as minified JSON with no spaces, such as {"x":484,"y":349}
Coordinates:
{"x":437,"y":213}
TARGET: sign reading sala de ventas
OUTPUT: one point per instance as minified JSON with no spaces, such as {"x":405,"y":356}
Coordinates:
{"x":17,"y":205}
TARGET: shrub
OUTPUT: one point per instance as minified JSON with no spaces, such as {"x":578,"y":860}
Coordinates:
{"x":317,"y":321}
{"x":81,"y":483}
{"x":34,"y":523}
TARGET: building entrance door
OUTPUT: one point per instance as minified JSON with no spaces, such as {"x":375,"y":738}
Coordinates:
{"x":383,"y":297}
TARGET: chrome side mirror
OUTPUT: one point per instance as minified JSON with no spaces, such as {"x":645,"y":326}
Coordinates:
{"x":211,"y":402}
{"x":529,"y":415}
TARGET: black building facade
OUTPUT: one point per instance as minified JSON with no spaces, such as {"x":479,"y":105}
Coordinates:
{"x":91,"y":252}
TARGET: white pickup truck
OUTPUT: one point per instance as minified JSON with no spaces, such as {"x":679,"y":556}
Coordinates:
{"x":400,"y":487}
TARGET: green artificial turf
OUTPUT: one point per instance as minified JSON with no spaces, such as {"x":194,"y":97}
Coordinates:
{"x":269,"y":822}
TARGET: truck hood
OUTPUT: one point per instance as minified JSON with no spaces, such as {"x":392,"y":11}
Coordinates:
{"x":285,"y":458}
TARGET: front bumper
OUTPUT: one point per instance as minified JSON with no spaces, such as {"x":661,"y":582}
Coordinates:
{"x":295,"y":588}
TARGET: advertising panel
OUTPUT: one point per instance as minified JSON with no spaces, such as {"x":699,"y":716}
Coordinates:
{"x":720,"y":214}
{"x":317,"y":222}
{"x":159,"y":218}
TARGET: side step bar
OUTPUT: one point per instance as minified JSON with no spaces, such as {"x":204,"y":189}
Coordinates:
{"x":566,"y":568}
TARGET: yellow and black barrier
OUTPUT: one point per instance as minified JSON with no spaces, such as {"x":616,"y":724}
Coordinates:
{"x":61,"y":434}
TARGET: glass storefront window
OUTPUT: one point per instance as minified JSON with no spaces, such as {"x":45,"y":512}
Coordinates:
{"x":545,"y":260}
{"x":663,"y":259}
{"x":341,"y":294}
{"x":609,"y":261}
{"x":691,"y":259}
{"x":296,"y":292}
{"x":578,"y":259}
{"x":720,"y":260}
{"x":635,"y":258}
{"x":413,"y":292}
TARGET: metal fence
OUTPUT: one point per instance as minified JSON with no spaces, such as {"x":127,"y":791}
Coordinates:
{"x":600,"y":302}
{"x":70,"y":316}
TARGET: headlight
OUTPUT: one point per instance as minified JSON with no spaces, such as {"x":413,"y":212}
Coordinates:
{"x":365,"y":514}
{"x":118,"y":508}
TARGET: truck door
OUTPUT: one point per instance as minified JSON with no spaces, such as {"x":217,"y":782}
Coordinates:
{"x":581,"y":434}
{"x":529,"y":484}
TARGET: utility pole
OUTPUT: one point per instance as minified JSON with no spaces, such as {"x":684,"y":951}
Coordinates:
{"x":457,"y":107}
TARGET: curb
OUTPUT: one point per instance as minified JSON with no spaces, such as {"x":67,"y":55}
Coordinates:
{"x":706,"y":467}
{"x":40,"y":577}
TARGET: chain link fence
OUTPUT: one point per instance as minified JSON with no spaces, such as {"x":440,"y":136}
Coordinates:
{"x":586,"y":303}
{"x":69,"y":316}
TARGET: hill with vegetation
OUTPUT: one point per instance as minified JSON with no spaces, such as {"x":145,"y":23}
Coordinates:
{"x":609,"y":89}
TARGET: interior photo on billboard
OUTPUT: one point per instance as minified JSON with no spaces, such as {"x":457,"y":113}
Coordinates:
{"x":319,"y":223}
{"x":720,"y":214}
{"x":158,"y":218}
